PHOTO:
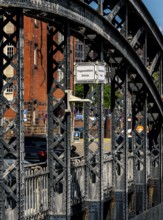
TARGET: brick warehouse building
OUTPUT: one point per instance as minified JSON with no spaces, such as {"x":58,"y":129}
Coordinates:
{"x":35,"y":73}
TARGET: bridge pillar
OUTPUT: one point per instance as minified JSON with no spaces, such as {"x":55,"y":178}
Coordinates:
{"x":156,"y":161}
{"x":12,"y":183}
{"x":157,"y":191}
{"x":118,"y":211}
{"x":94,"y":210}
{"x":120,"y":143}
{"x":93,"y":156}
{"x":155,"y":197}
{"x":59,"y":188}
{"x":139,"y":198}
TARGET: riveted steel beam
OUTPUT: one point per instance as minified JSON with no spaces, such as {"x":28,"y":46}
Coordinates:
{"x":137,"y":35}
{"x":95,"y":28}
{"x":154,"y":62}
{"x":12,"y":189}
{"x":146,"y":16}
{"x":59,"y":122}
{"x":93,"y":140}
{"x":99,"y":24}
{"x":120,"y":146}
{"x":115,"y":10}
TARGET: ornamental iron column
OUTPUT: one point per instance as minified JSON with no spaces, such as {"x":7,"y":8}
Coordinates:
{"x":93,"y":143}
{"x":59,"y":122}
{"x":11,"y":131}
{"x":120,"y":141}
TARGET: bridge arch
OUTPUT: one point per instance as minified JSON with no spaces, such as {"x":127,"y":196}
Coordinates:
{"x":129,"y":75}
{"x":84,"y":16}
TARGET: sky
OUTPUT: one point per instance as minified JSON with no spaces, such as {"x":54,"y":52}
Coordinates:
{"x":155,"y":7}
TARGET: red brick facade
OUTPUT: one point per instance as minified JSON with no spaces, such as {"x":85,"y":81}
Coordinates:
{"x":35,"y":75}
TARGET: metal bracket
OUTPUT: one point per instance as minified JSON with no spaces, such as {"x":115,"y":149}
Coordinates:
{"x":71,"y":98}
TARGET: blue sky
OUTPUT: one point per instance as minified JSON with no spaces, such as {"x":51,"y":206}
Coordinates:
{"x":155,"y":7}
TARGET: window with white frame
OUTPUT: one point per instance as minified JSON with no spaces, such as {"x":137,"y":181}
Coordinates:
{"x":10,"y":88}
{"x":36,"y":23}
{"x":60,"y":75}
{"x":10,"y":50}
{"x":79,"y":51}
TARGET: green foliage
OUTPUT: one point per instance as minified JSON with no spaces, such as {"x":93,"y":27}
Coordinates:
{"x":155,"y":77}
{"x":107,"y":96}
{"x":118,"y":94}
{"x":79,"y":90}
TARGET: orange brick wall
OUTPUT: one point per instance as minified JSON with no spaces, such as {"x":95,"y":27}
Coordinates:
{"x":35,"y":78}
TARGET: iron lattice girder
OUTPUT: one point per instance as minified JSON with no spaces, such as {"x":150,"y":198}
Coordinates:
{"x":138,"y":8}
{"x":115,"y":10}
{"x":137,"y":35}
{"x":119,"y":140}
{"x":55,"y":121}
{"x":148,"y":20}
{"x":98,"y":24}
{"x":12,"y":175}
{"x":59,"y":121}
{"x":154,"y":62}
{"x":93,"y":158}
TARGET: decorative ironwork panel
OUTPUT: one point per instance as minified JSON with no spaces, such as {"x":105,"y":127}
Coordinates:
{"x":58,"y":121}
{"x":142,"y":48}
{"x":120,"y":145}
{"x":154,"y":146}
{"x":11,"y":101}
{"x":93,"y":134}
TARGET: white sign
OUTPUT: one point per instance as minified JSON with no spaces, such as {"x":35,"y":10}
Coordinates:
{"x":101,"y":73}
{"x":85,"y":73}
{"x":89,"y":72}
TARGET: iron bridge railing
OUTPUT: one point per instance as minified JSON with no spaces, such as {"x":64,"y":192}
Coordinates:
{"x":36,"y":185}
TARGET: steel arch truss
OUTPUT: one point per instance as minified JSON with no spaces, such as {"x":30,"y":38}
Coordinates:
{"x":133,"y":53}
